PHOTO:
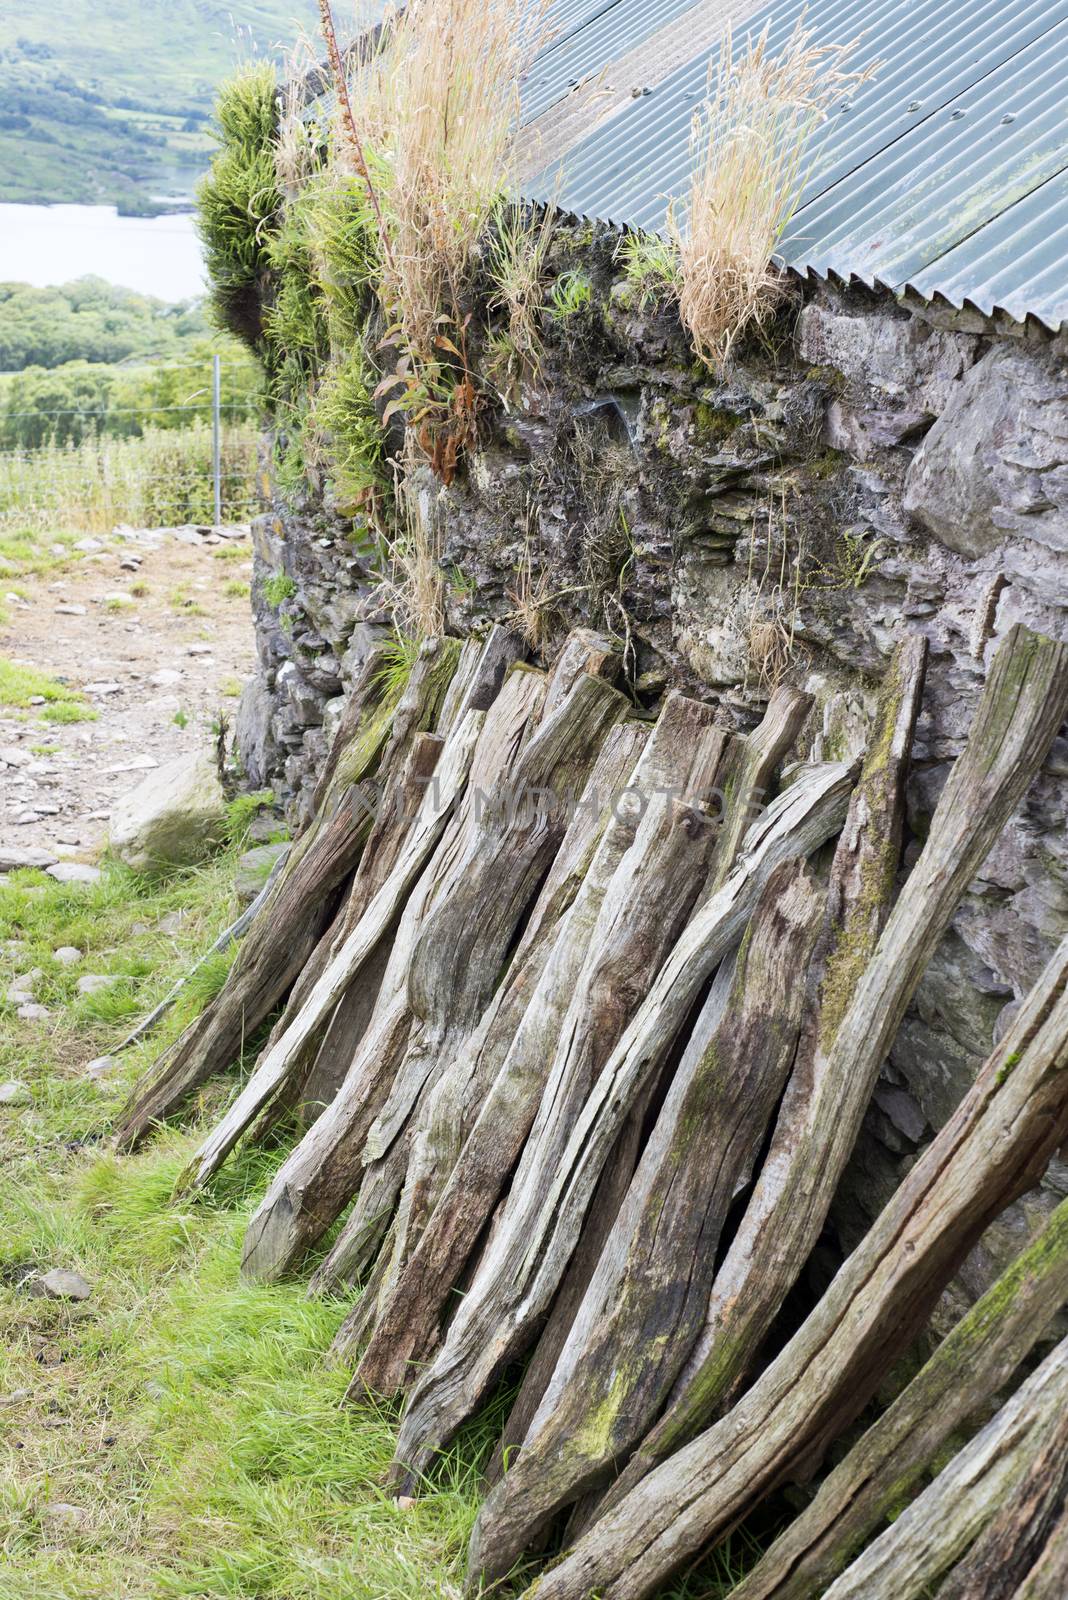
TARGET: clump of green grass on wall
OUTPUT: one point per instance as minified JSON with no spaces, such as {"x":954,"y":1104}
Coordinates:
{"x":239,"y":201}
{"x":343,"y":414}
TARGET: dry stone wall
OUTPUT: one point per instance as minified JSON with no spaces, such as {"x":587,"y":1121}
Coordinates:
{"x":865,"y":470}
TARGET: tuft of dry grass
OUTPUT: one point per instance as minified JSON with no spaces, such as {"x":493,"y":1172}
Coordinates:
{"x":412,"y":581}
{"x":516,"y":256}
{"x":751,"y":146}
{"x":427,"y":125}
{"x":439,"y":101}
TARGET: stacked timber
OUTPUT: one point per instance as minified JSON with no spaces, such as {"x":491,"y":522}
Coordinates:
{"x":577,"y":1013}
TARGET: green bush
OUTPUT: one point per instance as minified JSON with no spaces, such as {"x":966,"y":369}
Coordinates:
{"x":239,"y":201}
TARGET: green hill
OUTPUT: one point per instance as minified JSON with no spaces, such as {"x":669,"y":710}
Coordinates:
{"x":110,"y":102}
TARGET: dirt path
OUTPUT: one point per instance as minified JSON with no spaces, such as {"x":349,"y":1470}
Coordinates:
{"x":155,"y":629}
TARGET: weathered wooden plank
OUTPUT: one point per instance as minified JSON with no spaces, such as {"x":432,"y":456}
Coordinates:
{"x":745,"y":783}
{"x":1013,"y":1540}
{"x":992,"y":1150}
{"x":455,"y":964}
{"x":742,"y":782}
{"x":578,"y":1123}
{"x":408,"y":1328}
{"x":300,"y":908}
{"x":399,"y":803}
{"x":981,"y":1486}
{"x":647,"y":1299}
{"x":452,"y":1106}
{"x":974,"y":1361}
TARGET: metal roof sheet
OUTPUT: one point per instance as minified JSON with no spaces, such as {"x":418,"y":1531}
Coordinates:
{"x":943,"y":174}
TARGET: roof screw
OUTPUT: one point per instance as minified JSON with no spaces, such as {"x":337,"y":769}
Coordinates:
{"x":639,"y":91}
{"x":1010,"y":116}
{"x":956,"y":115}
{"x":914,"y":105}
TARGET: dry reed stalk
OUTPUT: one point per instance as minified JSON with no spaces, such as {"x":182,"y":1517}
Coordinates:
{"x":411,"y":582}
{"x":751,"y":146}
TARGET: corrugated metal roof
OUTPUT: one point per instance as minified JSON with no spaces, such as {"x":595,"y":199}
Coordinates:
{"x":593,"y":34}
{"x":946,"y":173}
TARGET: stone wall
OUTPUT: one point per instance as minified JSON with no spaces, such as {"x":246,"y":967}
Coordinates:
{"x":865,"y":470}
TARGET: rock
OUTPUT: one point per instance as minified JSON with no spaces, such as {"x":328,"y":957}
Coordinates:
{"x":13,"y":857}
{"x":94,"y":982}
{"x":103,"y":688}
{"x":70,"y":611}
{"x":100,"y":1067}
{"x":171,"y":923}
{"x":199,"y":649}
{"x":15,"y":1397}
{"x":252,"y":731}
{"x":23,"y":986}
{"x":138,"y":764}
{"x":173,"y":819}
{"x":88,"y":544}
{"x":67,"y":955}
{"x":61,"y":1514}
{"x":253,"y":869}
{"x":995,"y":464}
{"x":15,"y":1093}
{"x":29,"y":1012}
{"x":165,"y":678}
{"x":74,"y":872}
{"x":12,"y":756}
{"x":59,"y":1283}
{"x":119,"y":597}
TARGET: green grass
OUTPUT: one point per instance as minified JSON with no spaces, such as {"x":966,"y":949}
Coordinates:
{"x":278,"y":587}
{"x":190,"y":1417}
{"x":20,"y":685}
{"x":26,"y":546}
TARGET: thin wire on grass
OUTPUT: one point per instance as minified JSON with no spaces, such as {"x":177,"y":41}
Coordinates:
{"x":751,"y":144}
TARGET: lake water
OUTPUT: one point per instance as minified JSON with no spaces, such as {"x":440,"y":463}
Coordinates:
{"x":46,"y":245}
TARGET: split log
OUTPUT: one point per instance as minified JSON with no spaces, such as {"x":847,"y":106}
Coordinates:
{"x":1014,"y":1539}
{"x":408,"y":1330}
{"x":276,"y":1064}
{"x":1048,"y":1578}
{"x":567,"y":1149}
{"x":647,"y":1298}
{"x":1011,"y":1467}
{"x":454,"y":1104}
{"x":974,"y":1361}
{"x":454,"y":965}
{"x":494,"y":736}
{"x":297,"y":913}
{"x":354,"y":1010}
{"x":856,"y":1012}
{"x":743,"y":780}
{"x":992,"y":1150}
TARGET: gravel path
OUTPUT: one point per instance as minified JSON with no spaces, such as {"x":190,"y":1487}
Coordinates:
{"x":155,"y":629}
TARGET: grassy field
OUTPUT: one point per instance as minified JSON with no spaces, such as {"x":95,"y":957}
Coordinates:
{"x":161,"y":479}
{"x":111,"y":103}
{"x":178,"y":1433}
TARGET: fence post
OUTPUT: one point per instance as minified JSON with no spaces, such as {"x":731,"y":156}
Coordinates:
{"x":216,"y":453}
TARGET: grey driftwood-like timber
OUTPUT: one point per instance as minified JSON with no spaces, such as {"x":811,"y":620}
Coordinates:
{"x":590,"y":1075}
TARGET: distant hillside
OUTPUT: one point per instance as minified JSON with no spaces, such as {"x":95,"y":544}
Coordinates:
{"x":109,"y":100}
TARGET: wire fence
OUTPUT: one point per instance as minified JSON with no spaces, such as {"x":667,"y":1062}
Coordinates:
{"x":205,"y":471}
{"x":162,"y":477}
